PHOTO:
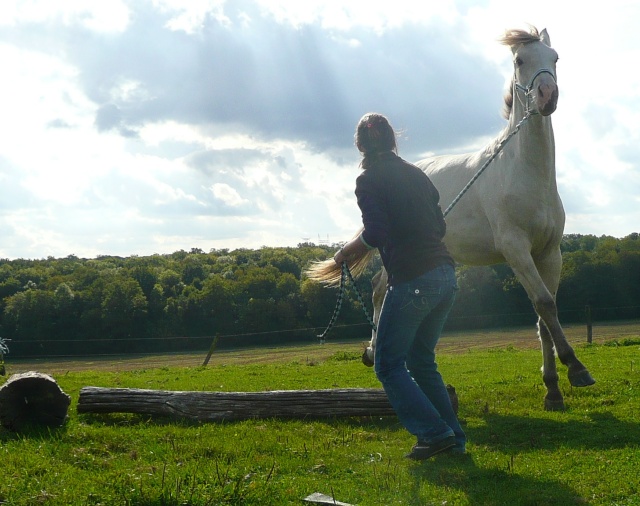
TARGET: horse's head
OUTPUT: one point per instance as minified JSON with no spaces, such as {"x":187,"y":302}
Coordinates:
{"x":534,"y":76}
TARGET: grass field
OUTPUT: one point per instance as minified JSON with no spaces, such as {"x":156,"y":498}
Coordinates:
{"x":518,"y":453}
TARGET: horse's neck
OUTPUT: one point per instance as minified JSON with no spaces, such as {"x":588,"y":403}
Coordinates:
{"x":533,"y":146}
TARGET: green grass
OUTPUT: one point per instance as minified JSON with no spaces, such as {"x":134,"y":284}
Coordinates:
{"x":518,"y":453}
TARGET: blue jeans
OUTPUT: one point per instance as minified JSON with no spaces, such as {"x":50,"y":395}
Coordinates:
{"x":409,"y":328}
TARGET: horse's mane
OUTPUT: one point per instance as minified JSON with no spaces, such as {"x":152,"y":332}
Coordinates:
{"x":512,"y":38}
{"x":517,"y":36}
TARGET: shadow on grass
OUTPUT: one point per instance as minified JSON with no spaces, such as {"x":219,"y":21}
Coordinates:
{"x":32,"y":431}
{"x":513,"y":436}
{"x":490,"y":486}
{"x":132,"y":419}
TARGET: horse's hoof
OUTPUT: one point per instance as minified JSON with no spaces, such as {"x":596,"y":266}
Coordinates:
{"x":553,"y":404}
{"x":581,"y":378}
{"x":366,"y":360}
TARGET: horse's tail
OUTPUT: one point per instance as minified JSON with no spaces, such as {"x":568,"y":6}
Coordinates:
{"x":329,"y":273}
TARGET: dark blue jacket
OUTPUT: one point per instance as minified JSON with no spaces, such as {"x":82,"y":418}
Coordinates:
{"x":402,"y":217}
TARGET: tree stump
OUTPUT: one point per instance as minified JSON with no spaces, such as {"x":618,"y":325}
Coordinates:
{"x":32,"y":399}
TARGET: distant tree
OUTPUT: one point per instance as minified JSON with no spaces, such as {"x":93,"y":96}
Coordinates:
{"x":124,"y":308}
{"x":480,"y":300}
{"x":65,"y":314}
{"x":282,"y":260}
{"x":218,"y":305}
{"x":319,"y":301}
{"x":171,"y":283}
{"x":258,"y":282}
{"x":192,"y":269}
{"x":8,"y":287}
{"x":28,"y":315}
{"x":146,"y":277}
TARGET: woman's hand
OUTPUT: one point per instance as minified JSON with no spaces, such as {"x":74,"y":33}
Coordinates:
{"x":340,"y":257}
{"x":354,"y":248}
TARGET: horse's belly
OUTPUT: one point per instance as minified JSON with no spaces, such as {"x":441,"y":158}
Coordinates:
{"x":478,"y":252}
{"x":470,"y":237}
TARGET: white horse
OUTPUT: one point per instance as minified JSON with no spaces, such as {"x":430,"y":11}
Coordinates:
{"x":512,"y":213}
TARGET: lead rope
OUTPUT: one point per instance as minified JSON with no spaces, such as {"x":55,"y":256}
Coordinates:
{"x":501,"y":146}
{"x":4,"y":349}
{"x":346,"y":273}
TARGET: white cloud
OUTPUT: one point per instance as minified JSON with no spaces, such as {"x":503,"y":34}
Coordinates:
{"x":375,"y":14}
{"x":227,"y":194}
{"x":105,"y":17}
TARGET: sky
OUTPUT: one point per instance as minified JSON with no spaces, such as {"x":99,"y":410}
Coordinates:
{"x":140,"y":127}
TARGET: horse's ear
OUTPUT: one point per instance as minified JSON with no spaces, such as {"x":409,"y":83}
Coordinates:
{"x":544,"y":37}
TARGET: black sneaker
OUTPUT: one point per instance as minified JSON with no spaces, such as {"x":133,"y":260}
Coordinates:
{"x":422,"y":450}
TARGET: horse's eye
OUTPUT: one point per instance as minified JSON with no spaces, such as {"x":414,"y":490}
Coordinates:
{"x":519,"y":61}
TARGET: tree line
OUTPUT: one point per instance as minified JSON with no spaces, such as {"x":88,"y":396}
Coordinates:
{"x":179,"y":301}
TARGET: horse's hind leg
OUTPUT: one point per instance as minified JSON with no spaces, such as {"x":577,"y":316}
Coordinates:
{"x":553,"y":401}
{"x":379,"y":284}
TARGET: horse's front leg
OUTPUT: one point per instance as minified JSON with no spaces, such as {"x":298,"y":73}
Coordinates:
{"x":541,"y":292}
{"x":549,"y":268}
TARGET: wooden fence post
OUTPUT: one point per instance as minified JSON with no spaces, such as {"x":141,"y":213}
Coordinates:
{"x":587,"y":310}
{"x":211,"y":348}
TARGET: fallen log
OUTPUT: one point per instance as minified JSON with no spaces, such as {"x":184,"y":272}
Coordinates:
{"x":218,"y":406}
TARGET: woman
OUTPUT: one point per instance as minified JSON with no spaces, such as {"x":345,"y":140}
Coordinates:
{"x":402,"y":218}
